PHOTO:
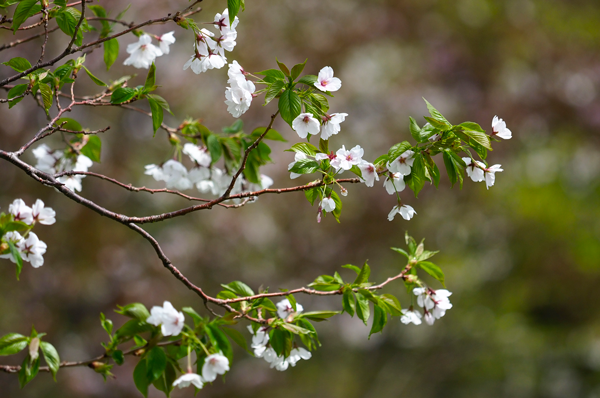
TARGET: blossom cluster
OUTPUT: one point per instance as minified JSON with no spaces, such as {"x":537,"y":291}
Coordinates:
{"x":263,"y":349}
{"x":239,"y":96}
{"x":58,"y":161}
{"x":205,"y":178}
{"x":209,"y":53}
{"x":30,"y":248}
{"x":435,"y":303}
{"x":143,"y":52}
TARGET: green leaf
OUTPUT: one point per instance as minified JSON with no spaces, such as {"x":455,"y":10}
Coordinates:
{"x":297,"y":69}
{"x":17,"y":256}
{"x":162,"y":102}
{"x":151,"y":78}
{"x":319,"y":316}
{"x":135,"y":310}
{"x":51,"y":357}
{"x":156,"y":362}
{"x":363,"y":275}
{"x":29,"y":369}
{"x":349,"y":302}
{"x":46,"y":96}
{"x":122,"y":94}
{"x":337,"y":212}
{"x":69,"y":124}
{"x":290,"y":106}
{"x":12,"y":343}
{"x":283,"y":68}
{"x":305,"y":166}
{"x":140,"y":377}
{"x":157,"y":114}
{"x":437,"y":124}
{"x":312,"y":194}
{"x":415,"y":130}
{"x":111,"y":52}
{"x":479,"y":137}
{"x":432,"y":170}
{"x":107,"y":324}
{"x":309,"y":80}
{"x":432,"y":270}
{"x":272,"y":135}
{"x":295,"y":329}
{"x":416,"y":179}
{"x":165,"y":382}
{"x":214,"y":147}
{"x":219,"y":339}
{"x":353,"y":268}
{"x":320,"y":101}
{"x":234,"y":7}
{"x":239,"y":288}
{"x":273,"y":90}
{"x":16,"y":91}
{"x":118,"y":356}
{"x":19,"y":64}
{"x":93,"y":148}
{"x":22,"y":12}
{"x":67,"y":21}
{"x":398,"y":149}
{"x":305,"y":148}
{"x":391,"y":303}
{"x":237,"y":337}
{"x":362,"y":309}
{"x":435,"y":113}
{"x":131,"y":328}
{"x":94,"y":78}
{"x":277,"y":338}
{"x":379,"y":320}
{"x":450,"y":168}
{"x":272,"y":75}
{"x":398,"y":250}
{"x":472,"y":126}
{"x":195,"y":316}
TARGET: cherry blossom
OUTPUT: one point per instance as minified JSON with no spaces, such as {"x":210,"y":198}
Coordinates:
{"x":331,"y":124}
{"x":235,"y":72}
{"x":165,"y":40}
{"x":305,"y":124}
{"x":222,"y":22}
{"x":434,"y":302}
{"x":198,"y":154}
{"x":15,"y":238}
{"x":20,"y":211}
{"x":215,"y":364}
{"x":474,"y":170}
{"x":46,"y":159}
{"x":196,"y":64}
{"x":326,"y":81}
{"x":225,"y":42}
{"x":410,"y":316}
{"x":345,"y":159}
{"x":406,"y":211}
{"x":238,"y":97}
{"x":143,"y":53}
{"x":187,"y":379}
{"x":490,"y":175}
{"x":328,"y":205}
{"x":168,"y":317}
{"x":394,"y":184}
{"x":296,"y":354}
{"x":41,"y":214}
{"x":175,"y":175}
{"x":402,"y":164}
{"x":32,"y":249}
{"x":368,"y":172}
{"x":499,"y":129}
{"x":284,"y":308}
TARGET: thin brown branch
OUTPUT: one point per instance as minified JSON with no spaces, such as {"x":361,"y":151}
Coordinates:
{"x":25,"y":40}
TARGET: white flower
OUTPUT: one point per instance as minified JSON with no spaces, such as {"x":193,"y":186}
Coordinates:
{"x":429,"y":318}
{"x":215,"y":61}
{"x":284,"y":308}
{"x":196,"y":64}
{"x":296,"y":354}
{"x":406,"y":211}
{"x":198,"y":174}
{"x":198,"y":154}
{"x":215,"y":364}
{"x":499,"y":129}
{"x":189,"y":378}
{"x":32,"y":249}
{"x":369,"y":173}
{"x":72,"y":182}
{"x":46,"y":158}
{"x":222,"y":22}
{"x":490,"y":175}
{"x":326,"y":81}
{"x":402,"y":164}
{"x":235,"y":72}
{"x":410,"y":316}
{"x":41,"y":214}
{"x":260,"y":339}
{"x":20,"y":211}
{"x":226,"y":42}
{"x":299,"y":156}
{"x":165,"y":41}
{"x":327,"y":204}
{"x":169,"y":318}
{"x":306,"y":124}
{"x":345,"y":159}
{"x":175,"y":175}
{"x":331,"y":124}
{"x":434,"y":302}
{"x":143,"y":53}
{"x":265,"y":181}
{"x":238,"y":97}
{"x":13,"y":237}
{"x":155,"y":171}
{"x":396,"y":183}
{"x":474,"y":170}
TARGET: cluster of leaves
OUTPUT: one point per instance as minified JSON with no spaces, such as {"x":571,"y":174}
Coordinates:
{"x":159,"y":357}
{"x":13,"y":343}
{"x":282,"y":332}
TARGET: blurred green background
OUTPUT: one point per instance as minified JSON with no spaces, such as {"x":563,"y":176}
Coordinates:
{"x":522,"y":258}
